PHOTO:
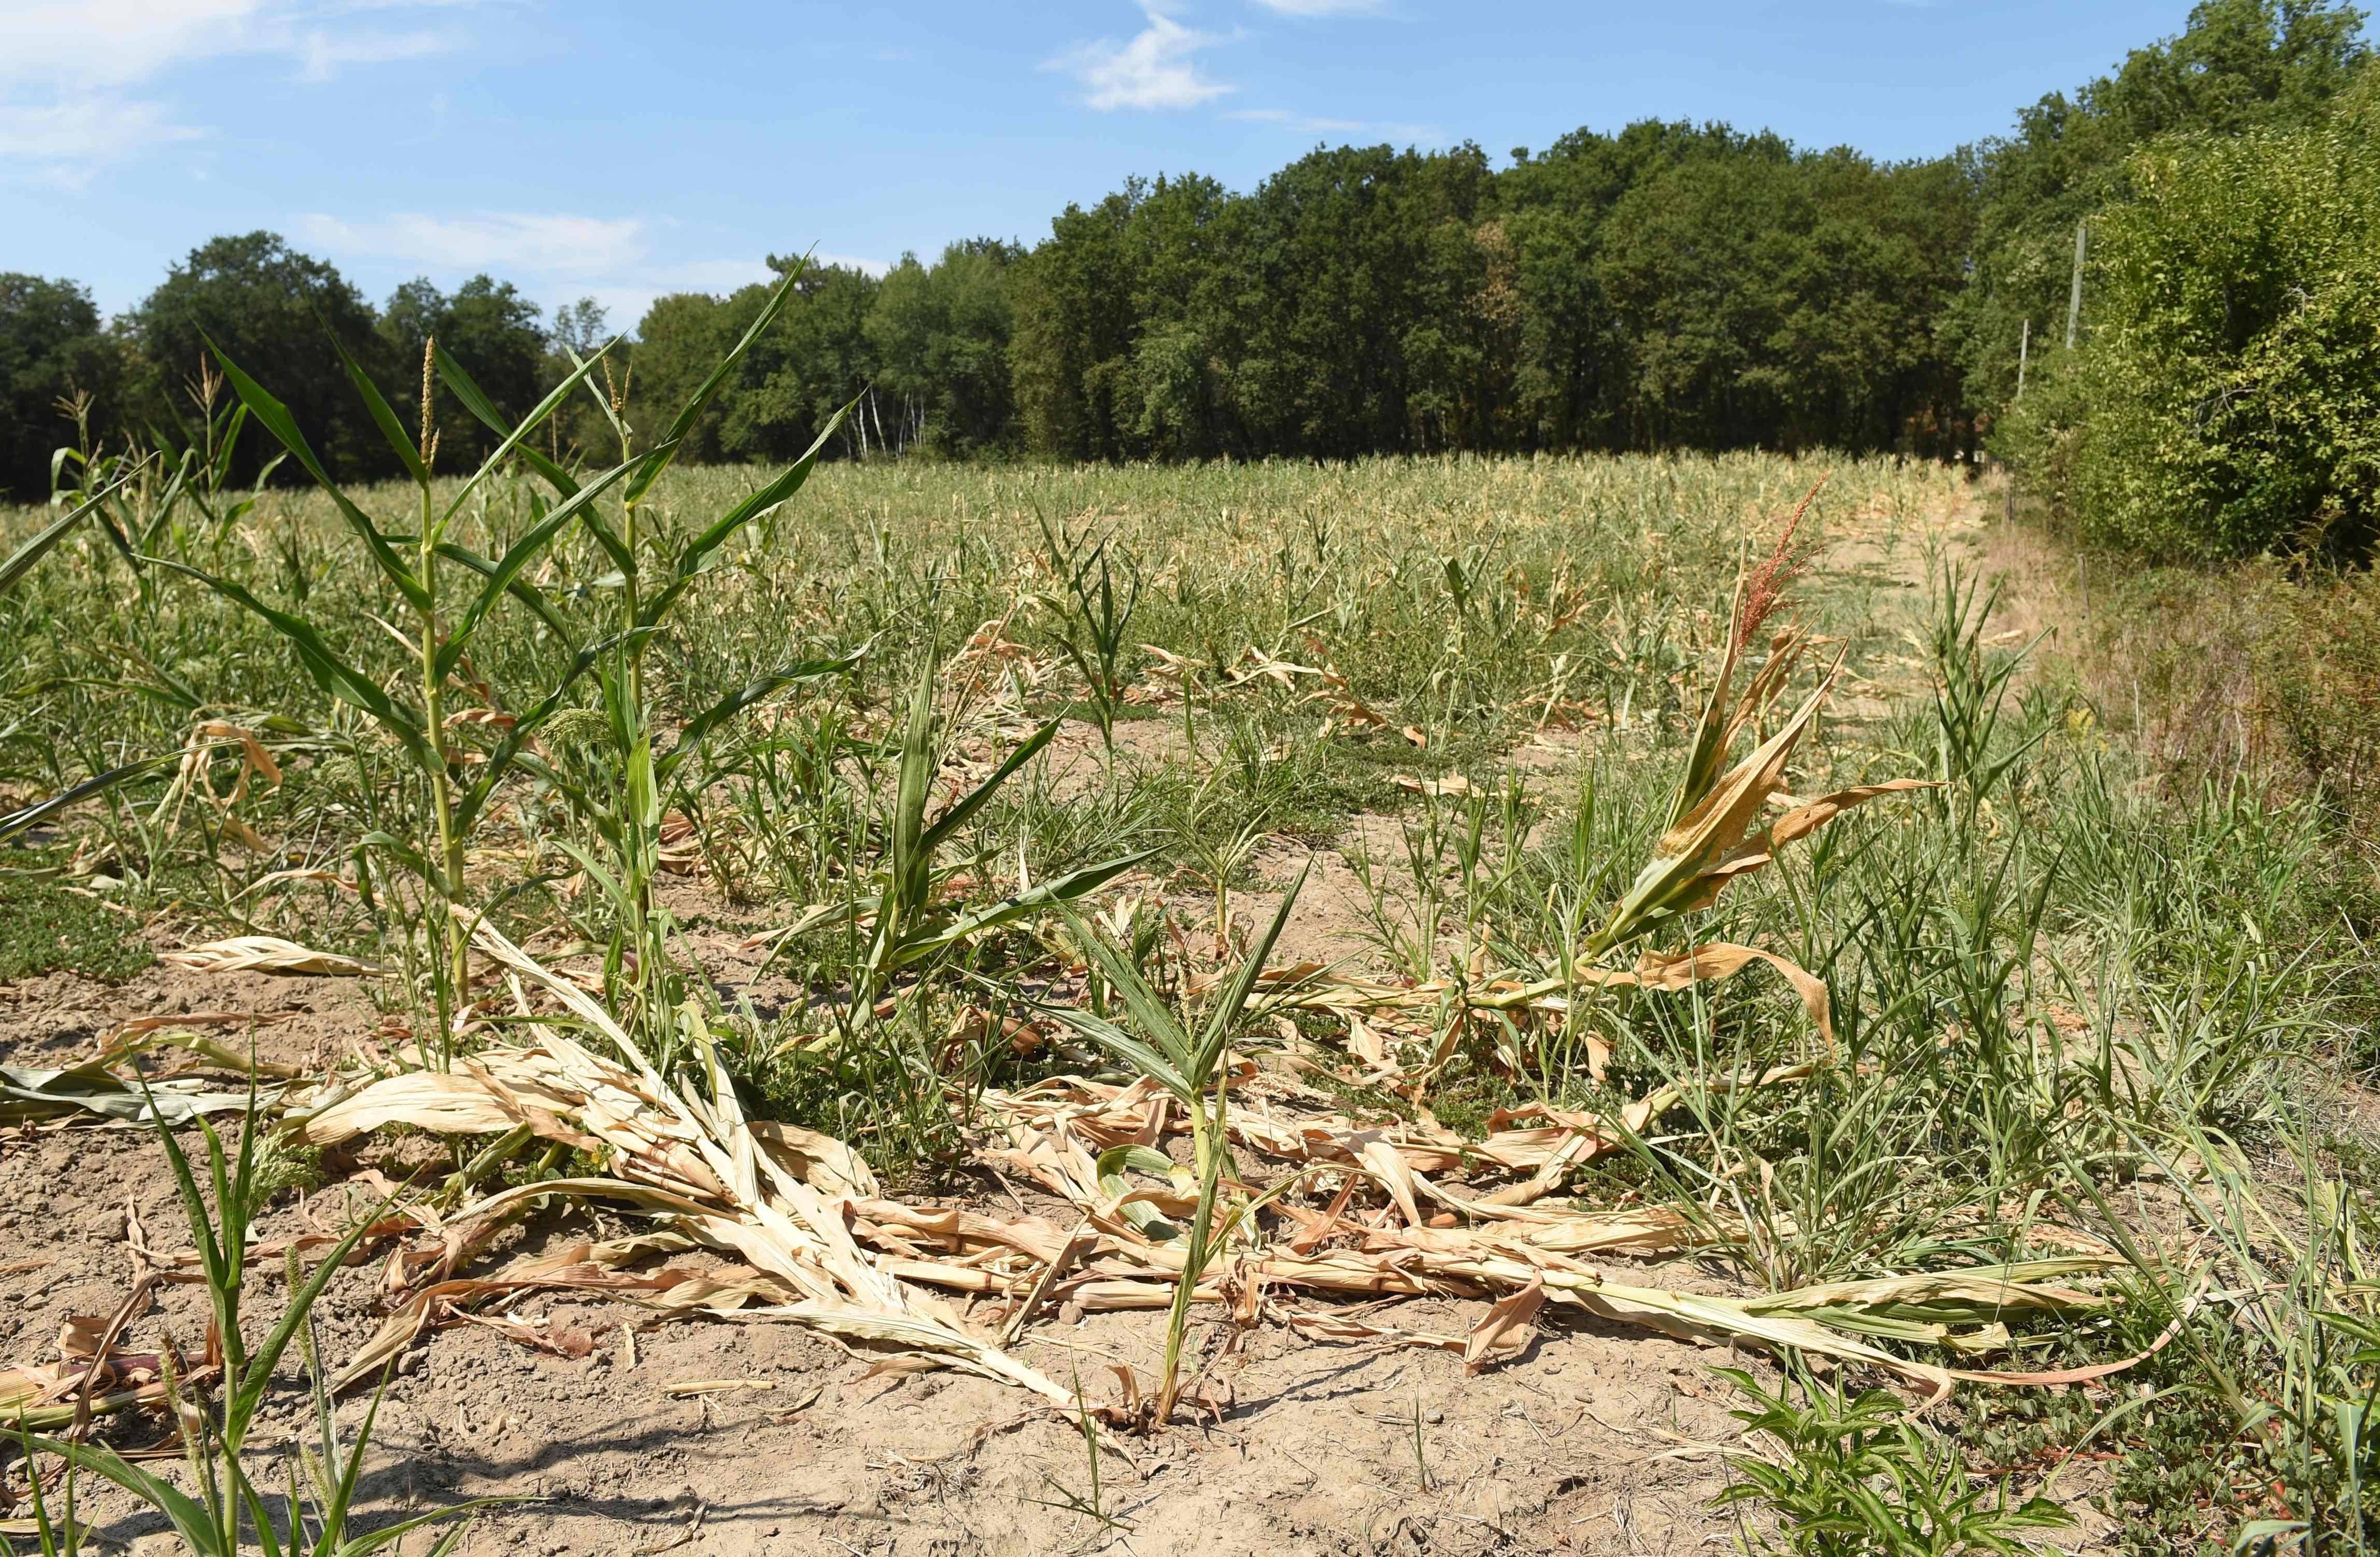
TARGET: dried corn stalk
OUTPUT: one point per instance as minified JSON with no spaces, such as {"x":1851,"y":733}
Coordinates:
{"x":771,"y":1196}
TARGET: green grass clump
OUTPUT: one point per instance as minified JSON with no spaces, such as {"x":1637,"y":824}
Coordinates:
{"x":46,"y":928}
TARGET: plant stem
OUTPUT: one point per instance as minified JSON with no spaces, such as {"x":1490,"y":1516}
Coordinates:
{"x":442,"y":796}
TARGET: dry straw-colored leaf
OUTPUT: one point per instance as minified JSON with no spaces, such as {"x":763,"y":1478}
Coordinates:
{"x":265,"y":954}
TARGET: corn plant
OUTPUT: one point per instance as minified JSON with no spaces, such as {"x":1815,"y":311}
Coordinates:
{"x":1971,"y":690}
{"x":911,"y":921}
{"x":229,"y":1506}
{"x":1190,"y":1058}
{"x":630,"y":819}
{"x":203,"y":454}
{"x":12,"y":571}
{"x":1094,"y":621}
{"x":441,"y":634}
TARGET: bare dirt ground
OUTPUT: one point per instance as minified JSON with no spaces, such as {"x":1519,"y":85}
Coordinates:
{"x":1597,"y":1439}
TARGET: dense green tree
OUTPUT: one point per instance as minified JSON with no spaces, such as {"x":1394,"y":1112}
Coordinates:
{"x":941,"y":336}
{"x":274,"y":311}
{"x":2228,"y":400}
{"x":52,"y":346}
{"x":816,"y":361}
{"x":1074,"y":329}
{"x":488,"y":327}
{"x":2240,"y":65}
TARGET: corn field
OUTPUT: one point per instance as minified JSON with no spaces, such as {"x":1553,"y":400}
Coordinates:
{"x":944,"y":911}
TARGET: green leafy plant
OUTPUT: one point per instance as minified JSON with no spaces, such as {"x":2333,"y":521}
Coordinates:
{"x":1188,"y":1054}
{"x":229,"y":1507}
{"x":419,"y":567}
{"x":1850,"y":1475}
{"x":911,"y":920}
{"x":1095,"y":620}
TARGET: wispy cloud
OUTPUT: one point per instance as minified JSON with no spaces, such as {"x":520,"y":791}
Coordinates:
{"x":67,"y":142}
{"x":1322,"y":7}
{"x":546,"y":242}
{"x":1154,"y":69}
{"x":81,"y":79}
{"x":322,"y":53}
{"x":553,"y":255}
{"x":1307,"y":123}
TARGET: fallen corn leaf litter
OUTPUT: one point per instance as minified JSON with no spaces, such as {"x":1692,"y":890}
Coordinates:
{"x":818,"y":1243}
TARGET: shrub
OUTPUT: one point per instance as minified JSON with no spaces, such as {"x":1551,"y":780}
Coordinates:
{"x":2228,"y":400}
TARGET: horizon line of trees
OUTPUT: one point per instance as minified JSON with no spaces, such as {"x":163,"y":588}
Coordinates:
{"x":1668,"y":286}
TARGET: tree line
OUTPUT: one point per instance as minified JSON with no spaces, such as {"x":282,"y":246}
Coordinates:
{"x":1669,"y":285}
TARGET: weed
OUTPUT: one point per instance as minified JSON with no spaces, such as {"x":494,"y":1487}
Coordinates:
{"x":48,"y":927}
{"x":1848,"y":1475}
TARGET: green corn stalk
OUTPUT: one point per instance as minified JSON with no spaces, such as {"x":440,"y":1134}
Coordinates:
{"x":1190,"y":1061}
{"x":643,"y":988}
{"x":12,"y":570}
{"x":1097,"y":621}
{"x":912,"y":926}
{"x":443,"y":632}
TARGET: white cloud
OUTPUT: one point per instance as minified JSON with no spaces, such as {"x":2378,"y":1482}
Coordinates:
{"x":79,"y":77}
{"x":67,"y":142}
{"x":553,"y":244}
{"x":1322,"y":7}
{"x":323,"y":54}
{"x":117,"y":42}
{"x":558,"y":256}
{"x":1152,"y":69}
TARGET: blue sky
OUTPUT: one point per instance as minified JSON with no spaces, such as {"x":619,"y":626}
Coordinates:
{"x":624,"y":149}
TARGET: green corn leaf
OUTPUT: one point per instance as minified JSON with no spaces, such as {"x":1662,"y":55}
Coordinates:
{"x":1225,"y":1015}
{"x":249,"y":1390}
{"x":602,"y":401}
{"x":908,"y":860}
{"x":21,"y":560}
{"x":194,"y":1208}
{"x":225,"y":450}
{"x":396,"y":849}
{"x":699,"y":728}
{"x":507,"y":751}
{"x":383,"y":416}
{"x":1050,"y":894}
{"x":332,"y":674}
{"x":334,"y":1516}
{"x":545,"y":408}
{"x":696,"y":555}
{"x":595,"y":872}
{"x":278,"y":422}
{"x":1110,"y":1168}
{"x":188,"y":1517}
{"x":973,"y":801}
{"x":476,"y":401}
{"x":177,"y":488}
{"x":520,"y":588}
{"x":363,"y":1546}
{"x":26,"y":817}
{"x":1147,"y":1008}
{"x":693,"y":408}
{"x":517,"y":556}
{"x":609,"y":539}
{"x":1144,"y":1058}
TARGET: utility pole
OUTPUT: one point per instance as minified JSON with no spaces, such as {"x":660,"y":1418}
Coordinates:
{"x":2074,"y":303}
